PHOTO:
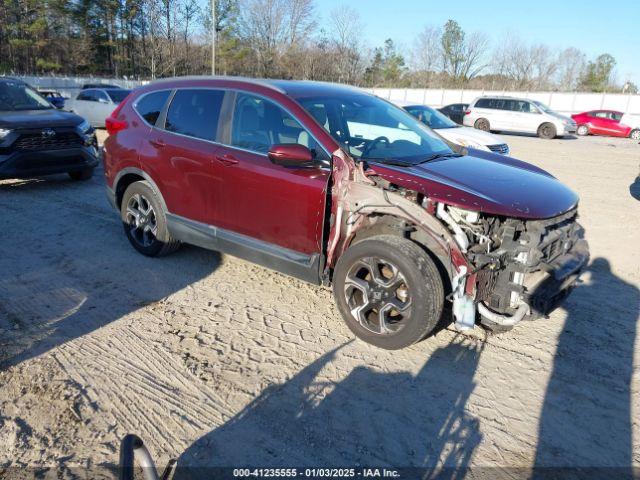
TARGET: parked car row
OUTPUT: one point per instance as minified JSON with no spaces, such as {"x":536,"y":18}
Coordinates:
{"x":521,"y":115}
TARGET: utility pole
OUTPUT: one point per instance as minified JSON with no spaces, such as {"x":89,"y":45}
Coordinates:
{"x":213,"y":37}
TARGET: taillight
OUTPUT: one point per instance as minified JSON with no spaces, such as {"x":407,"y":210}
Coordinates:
{"x":112,"y":123}
{"x":467,"y":112}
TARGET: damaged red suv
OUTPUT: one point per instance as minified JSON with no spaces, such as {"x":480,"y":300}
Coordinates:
{"x":337,"y":187}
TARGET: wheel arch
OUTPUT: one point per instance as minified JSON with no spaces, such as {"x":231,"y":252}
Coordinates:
{"x":130,"y":175}
{"x":388,"y":224}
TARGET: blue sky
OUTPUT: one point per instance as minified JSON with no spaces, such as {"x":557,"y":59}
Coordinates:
{"x":586,"y":24}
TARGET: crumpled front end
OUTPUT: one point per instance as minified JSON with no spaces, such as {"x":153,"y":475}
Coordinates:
{"x":501,"y":269}
{"x":522,"y":269}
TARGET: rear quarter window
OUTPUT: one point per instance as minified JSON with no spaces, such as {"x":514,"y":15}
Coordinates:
{"x":485,"y":103}
{"x":150,"y":106}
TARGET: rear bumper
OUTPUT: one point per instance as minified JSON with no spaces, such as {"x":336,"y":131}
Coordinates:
{"x":28,"y":163}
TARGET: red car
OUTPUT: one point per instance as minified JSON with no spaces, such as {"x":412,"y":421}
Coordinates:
{"x":338,"y":187}
{"x":602,"y":122}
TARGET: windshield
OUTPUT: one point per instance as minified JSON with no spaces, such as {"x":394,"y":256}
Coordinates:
{"x":372,"y":129}
{"x":19,"y":96}
{"x":118,"y":95}
{"x":543,"y":107}
{"x":431,"y":117}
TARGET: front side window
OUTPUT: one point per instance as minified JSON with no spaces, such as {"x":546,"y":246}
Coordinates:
{"x":195,"y":113}
{"x":19,"y":96}
{"x":372,"y":129}
{"x":259,"y":123}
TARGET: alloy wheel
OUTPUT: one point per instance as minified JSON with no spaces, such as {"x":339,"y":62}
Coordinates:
{"x":142,"y":221}
{"x":378,"y":295}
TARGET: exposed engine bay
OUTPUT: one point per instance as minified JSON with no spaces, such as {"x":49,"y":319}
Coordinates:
{"x":501,"y":269}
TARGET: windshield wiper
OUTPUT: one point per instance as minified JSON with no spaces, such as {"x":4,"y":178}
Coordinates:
{"x":441,"y":155}
{"x":390,"y":161}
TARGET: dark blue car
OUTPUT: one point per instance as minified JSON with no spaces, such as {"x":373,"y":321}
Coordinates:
{"x":54,"y":97}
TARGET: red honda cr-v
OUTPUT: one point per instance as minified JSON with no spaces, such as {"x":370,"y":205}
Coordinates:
{"x":332,"y":185}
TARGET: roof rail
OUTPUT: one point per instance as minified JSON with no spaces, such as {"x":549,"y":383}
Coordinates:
{"x":255,"y":81}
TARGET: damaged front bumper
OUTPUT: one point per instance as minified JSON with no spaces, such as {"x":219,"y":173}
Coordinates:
{"x":535,"y":267}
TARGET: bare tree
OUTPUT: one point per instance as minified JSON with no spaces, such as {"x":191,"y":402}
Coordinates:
{"x":571,"y":66}
{"x":344,"y":28}
{"x":426,"y":54}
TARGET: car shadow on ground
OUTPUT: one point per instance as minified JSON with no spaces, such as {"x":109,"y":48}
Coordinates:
{"x":586,"y":419}
{"x":368,"y":418}
{"x":634,"y":188}
{"x":66,"y":268}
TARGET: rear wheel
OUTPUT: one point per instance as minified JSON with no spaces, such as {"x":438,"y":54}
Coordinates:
{"x":547,"y":131}
{"x":389,"y":291}
{"x":482,"y":124}
{"x":81,"y":175}
{"x":145,"y":222}
{"x":635,"y":134}
{"x":582,"y":130}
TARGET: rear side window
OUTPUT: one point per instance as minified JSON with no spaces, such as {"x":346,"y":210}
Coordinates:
{"x":150,"y":106}
{"x":195,"y":113}
{"x":484,"y":103}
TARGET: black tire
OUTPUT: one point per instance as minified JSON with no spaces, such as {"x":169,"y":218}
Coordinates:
{"x":421,"y":281}
{"x":482,"y":124}
{"x":140,"y":197}
{"x":547,"y":131}
{"x":635,"y":134}
{"x":81,"y":175}
{"x":582,"y":130}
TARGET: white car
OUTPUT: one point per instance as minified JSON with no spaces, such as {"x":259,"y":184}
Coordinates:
{"x":509,"y":114}
{"x":96,"y":104}
{"x":447,"y":128}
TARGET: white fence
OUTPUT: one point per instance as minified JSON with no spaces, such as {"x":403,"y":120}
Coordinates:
{"x":70,"y":86}
{"x":568,"y":103}
{"x":562,"y":102}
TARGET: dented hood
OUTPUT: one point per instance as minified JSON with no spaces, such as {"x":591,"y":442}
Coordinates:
{"x":485,"y":182}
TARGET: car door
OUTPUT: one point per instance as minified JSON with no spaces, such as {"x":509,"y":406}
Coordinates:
{"x":599,"y":123}
{"x":531,"y":116}
{"x":84,"y":105}
{"x":179,"y":152}
{"x":278,"y":205}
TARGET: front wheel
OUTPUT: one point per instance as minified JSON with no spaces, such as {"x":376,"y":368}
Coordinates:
{"x":144,"y":221}
{"x":547,"y":131}
{"x":389,"y":291}
{"x":635,"y":134}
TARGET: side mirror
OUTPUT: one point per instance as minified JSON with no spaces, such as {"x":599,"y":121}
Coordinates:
{"x":291,"y":155}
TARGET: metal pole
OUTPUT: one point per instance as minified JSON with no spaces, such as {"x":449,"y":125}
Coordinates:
{"x":213,"y":37}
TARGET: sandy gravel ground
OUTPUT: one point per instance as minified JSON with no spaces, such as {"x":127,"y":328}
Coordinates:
{"x":220,"y":362}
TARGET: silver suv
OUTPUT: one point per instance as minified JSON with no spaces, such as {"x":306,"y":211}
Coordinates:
{"x":510,"y":114}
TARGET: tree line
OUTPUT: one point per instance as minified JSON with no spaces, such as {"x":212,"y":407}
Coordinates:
{"x":146,"y":39}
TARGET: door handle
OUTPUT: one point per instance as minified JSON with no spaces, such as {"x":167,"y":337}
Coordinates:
{"x":157,"y":143}
{"x":227,"y":159}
